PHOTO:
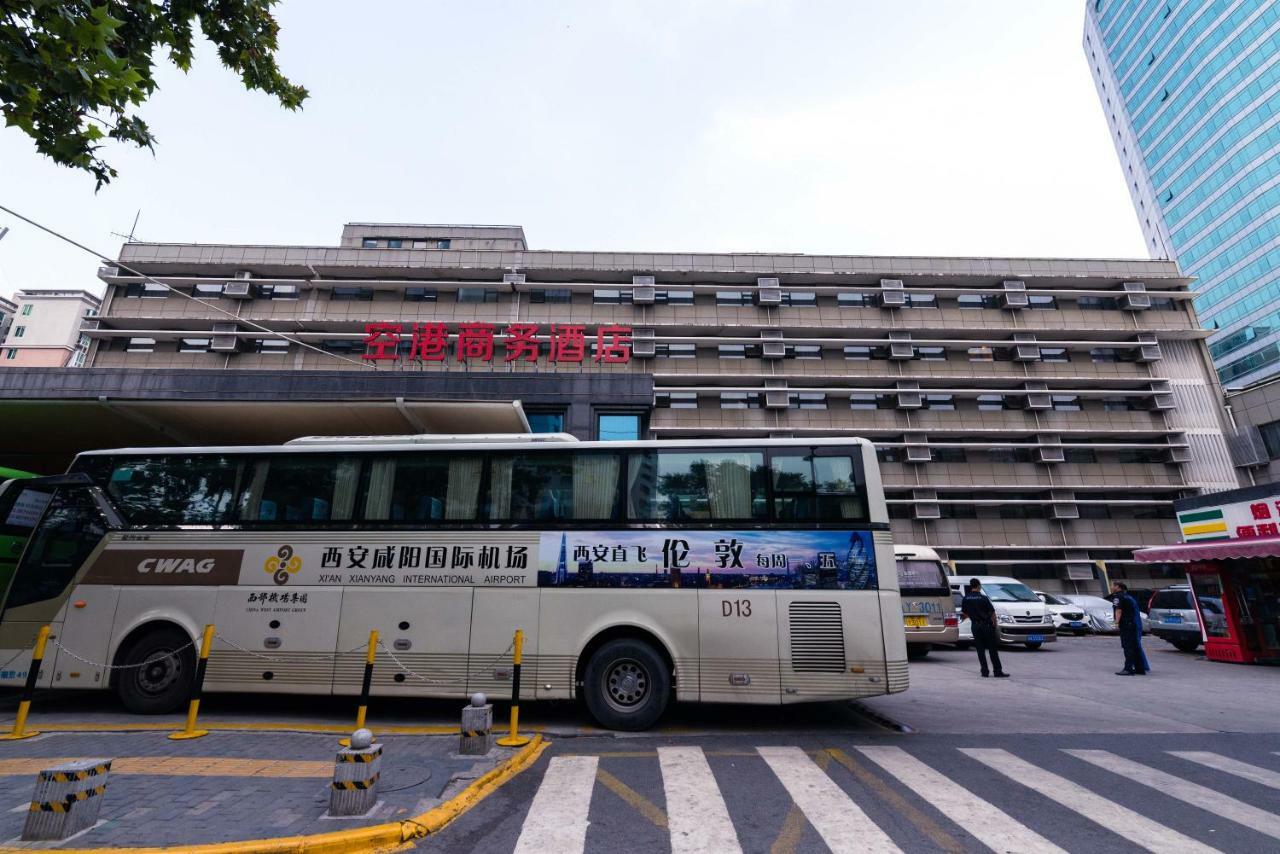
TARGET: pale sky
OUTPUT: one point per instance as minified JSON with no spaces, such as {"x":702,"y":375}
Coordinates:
{"x":918,"y":127}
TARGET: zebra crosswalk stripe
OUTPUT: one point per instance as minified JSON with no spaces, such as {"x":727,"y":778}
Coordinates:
{"x":1218,"y":762}
{"x":696,"y":813}
{"x":557,"y":818}
{"x":1185,"y":790}
{"x":990,"y":825}
{"x":1133,"y":826}
{"x":843,"y":826}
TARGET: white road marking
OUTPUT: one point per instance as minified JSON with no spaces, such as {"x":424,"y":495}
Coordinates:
{"x":696,"y":813}
{"x":1133,"y":826}
{"x":1231,"y":766}
{"x":991,"y":826}
{"x":557,"y":819}
{"x":843,"y":826}
{"x":1184,"y":790}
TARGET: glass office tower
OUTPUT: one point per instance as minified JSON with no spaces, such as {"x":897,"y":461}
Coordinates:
{"x":1191,"y":91}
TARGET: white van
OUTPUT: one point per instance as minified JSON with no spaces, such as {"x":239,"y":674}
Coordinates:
{"x":1020,"y":615}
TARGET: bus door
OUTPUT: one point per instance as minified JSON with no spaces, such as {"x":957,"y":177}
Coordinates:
{"x":73,"y":518}
{"x":20,"y":510}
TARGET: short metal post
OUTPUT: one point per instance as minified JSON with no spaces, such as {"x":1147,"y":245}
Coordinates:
{"x":67,"y":800}
{"x":515,"y":739}
{"x":363,"y":708}
{"x":193,"y":708}
{"x":24,"y":705}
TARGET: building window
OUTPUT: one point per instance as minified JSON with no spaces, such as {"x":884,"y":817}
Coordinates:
{"x":800,"y":299}
{"x":864,"y":401}
{"x":278,"y":291}
{"x":1054,"y":354}
{"x":676,"y":351}
{"x":19,"y":331}
{"x":395,"y":243}
{"x":732,"y":351}
{"x":991,"y":403}
{"x":26,"y":310}
{"x":206,"y":291}
{"x":610,"y":296}
{"x":1066,"y":403}
{"x":740,"y":400}
{"x":944,"y":454}
{"x":140,"y":345}
{"x":351,"y":295}
{"x":90,"y":312}
{"x":546,"y":422}
{"x":369,"y":243}
{"x":1117,"y":404}
{"x":676,"y":400}
{"x":981,"y":353}
{"x":443,"y":244}
{"x":804,"y":351}
{"x":1270,"y":433}
{"x":858,"y":353}
{"x":932,"y":354}
{"x":145,"y":289}
{"x":420,"y":294}
{"x":193,"y":345}
{"x":1096,"y":303}
{"x":419,"y":244}
{"x":11,"y":353}
{"x":273,"y":346}
{"x":921,"y":300}
{"x":477,"y":295}
{"x":1079,"y":455}
{"x":808,"y":400}
{"x":1042,"y":302}
{"x":342,"y":345}
{"x":673,"y":297}
{"x":617,"y":428}
{"x":976,"y":301}
{"x":733,"y":298}
{"x":940,"y":401}
{"x":850,"y":300}
{"x":554,"y":295}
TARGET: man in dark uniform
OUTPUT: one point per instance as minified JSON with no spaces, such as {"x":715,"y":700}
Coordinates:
{"x":1127,"y":619}
{"x":977,"y":608}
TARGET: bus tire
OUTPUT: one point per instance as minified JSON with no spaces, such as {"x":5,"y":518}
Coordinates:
{"x":626,"y":685}
{"x":1033,"y":645}
{"x":155,"y":682}
{"x":917,"y":651}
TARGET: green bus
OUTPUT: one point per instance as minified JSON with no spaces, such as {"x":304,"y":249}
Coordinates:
{"x":17,"y":517}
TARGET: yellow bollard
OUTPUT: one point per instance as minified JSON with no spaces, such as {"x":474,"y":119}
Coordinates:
{"x":363,"y":708}
{"x":193,"y":708}
{"x":24,"y":705}
{"x":515,"y":739}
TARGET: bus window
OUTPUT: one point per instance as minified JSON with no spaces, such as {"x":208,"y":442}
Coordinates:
{"x":301,"y":488}
{"x":174,"y":490}
{"x":69,"y":531}
{"x":841,"y":494}
{"x":20,"y":509}
{"x":553,"y":487}
{"x":922,"y":578}
{"x":793,"y":499}
{"x":422,"y":488}
{"x":821,"y":488}
{"x":676,"y":486}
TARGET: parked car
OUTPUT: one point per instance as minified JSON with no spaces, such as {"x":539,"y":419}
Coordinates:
{"x":1173,"y":616}
{"x":966,"y":627}
{"x":1067,"y":616}
{"x":1021,"y":618}
{"x":1100,"y":613}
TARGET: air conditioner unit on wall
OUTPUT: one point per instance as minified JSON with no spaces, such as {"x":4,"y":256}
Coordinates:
{"x":1038,"y":396}
{"x":1135,"y":297}
{"x":643,"y":294}
{"x":918,"y":454}
{"x":769,"y":296}
{"x":900,"y":346}
{"x":643,"y":345}
{"x":777,"y":399}
{"x":1014,"y":296}
{"x":224,"y":339}
{"x":513,"y":278}
{"x":909,"y":396}
{"x":1148,"y":348}
{"x":926,"y":504}
{"x":891,"y":294}
{"x":1025,"y":349}
{"x":238,"y":290}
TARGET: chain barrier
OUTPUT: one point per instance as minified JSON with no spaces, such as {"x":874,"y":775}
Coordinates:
{"x":159,"y":657}
{"x":277,"y":659}
{"x":412,"y":674}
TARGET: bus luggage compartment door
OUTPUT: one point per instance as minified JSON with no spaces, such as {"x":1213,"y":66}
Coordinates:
{"x":830,"y":650}
{"x":425,"y":628}
{"x":738,"y":636}
{"x":294,"y":628}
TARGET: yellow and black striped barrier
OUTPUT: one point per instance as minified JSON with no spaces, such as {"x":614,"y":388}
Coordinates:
{"x":56,"y":776}
{"x":356,"y":785}
{"x":356,"y":772}
{"x":363,"y":709}
{"x":29,"y":689}
{"x":68,"y":801}
{"x":514,"y":738}
{"x":193,"y":708}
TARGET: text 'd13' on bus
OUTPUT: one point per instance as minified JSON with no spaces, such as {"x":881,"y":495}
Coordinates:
{"x":640,"y":572}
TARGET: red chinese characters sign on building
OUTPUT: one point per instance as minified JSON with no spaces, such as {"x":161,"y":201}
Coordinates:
{"x":482,"y":342}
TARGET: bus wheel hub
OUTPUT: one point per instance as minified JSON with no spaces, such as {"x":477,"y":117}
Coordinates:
{"x":627,"y":683}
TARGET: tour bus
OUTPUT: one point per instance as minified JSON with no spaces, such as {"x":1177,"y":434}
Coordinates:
{"x":640,"y":572}
{"x":928,"y":614}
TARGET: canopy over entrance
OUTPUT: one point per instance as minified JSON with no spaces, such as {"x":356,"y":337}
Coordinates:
{"x":1250,"y":547}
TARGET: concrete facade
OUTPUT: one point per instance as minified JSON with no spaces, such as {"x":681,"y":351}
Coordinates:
{"x":1256,"y":444}
{"x":1190,"y":92}
{"x":45,"y":331}
{"x":8,"y":308}
{"x":1032,"y":415}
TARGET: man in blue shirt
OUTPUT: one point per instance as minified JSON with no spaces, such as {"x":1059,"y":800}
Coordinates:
{"x":1129,"y":620}
{"x":977,"y":608}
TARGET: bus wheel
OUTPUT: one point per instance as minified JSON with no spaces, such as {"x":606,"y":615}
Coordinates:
{"x":626,"y":685}
{"x":157,"y":679}
{"x":917,"y":651}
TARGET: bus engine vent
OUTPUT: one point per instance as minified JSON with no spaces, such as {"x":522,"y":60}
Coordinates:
{"x":817,"y":637}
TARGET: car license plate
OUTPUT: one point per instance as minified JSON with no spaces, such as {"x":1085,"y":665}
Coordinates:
{"x":916,"y":622}
{"x":1076,"y":624}
{"x":1173,"y":618}
{"x":1035,"y":638}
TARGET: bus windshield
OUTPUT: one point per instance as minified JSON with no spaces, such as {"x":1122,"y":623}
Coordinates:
{"x":922,"y":578}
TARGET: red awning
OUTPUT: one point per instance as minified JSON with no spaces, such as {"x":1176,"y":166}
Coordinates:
{"x":1215,"y":550}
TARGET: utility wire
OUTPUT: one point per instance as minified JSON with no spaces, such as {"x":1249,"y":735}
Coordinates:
{"x":237,"y":318}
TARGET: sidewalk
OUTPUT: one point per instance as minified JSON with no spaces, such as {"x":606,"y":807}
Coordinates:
{"x":230,"y":786}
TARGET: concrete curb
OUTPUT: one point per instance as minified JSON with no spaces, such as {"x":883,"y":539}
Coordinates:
{"x":880,"y":719}
{"x":379,"y":837}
